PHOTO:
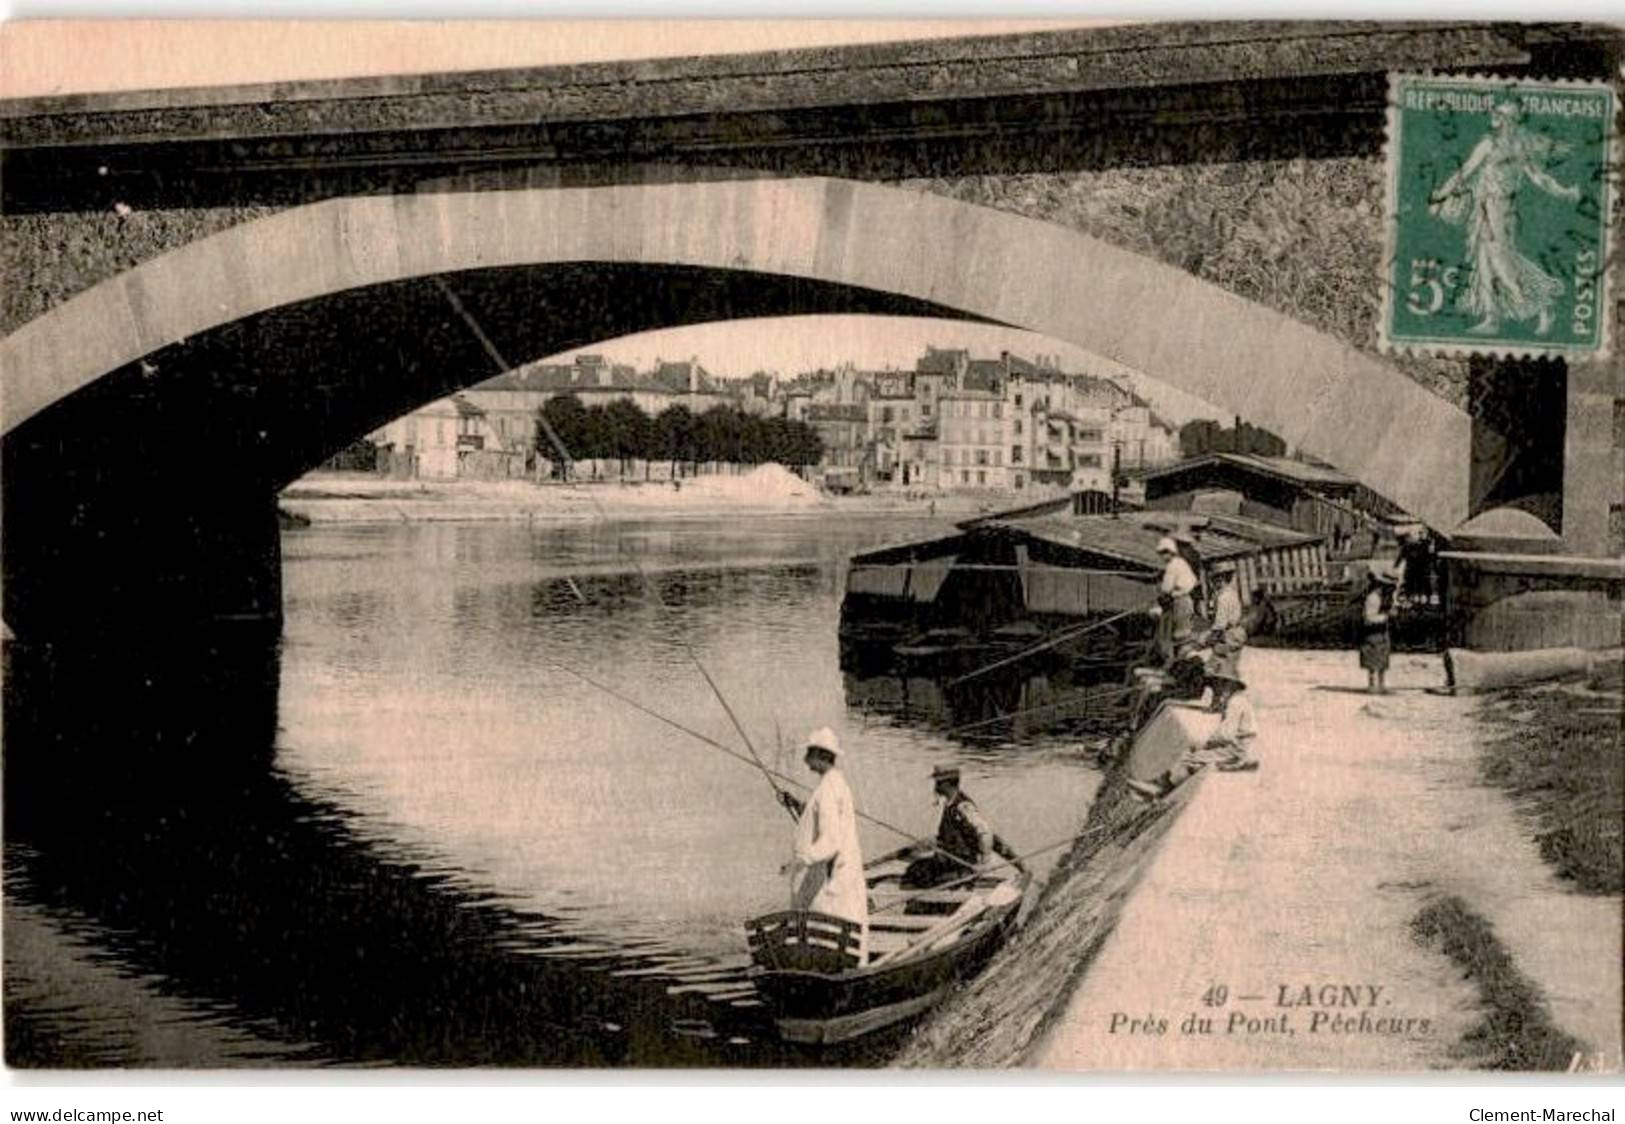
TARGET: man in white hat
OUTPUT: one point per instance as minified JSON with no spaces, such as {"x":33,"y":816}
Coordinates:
{"x":1174,"y":610}
{"x":828,"y":866}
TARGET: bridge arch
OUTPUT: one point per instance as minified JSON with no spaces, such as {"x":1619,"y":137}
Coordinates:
{"x":294,"y":333}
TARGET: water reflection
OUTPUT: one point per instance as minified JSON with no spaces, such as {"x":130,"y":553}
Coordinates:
{"x":403,"y":834}
{"x":1030,"y":703}
{"x":153,"y":827}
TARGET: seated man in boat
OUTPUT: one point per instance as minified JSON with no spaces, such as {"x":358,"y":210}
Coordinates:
{"x":1229,"y":747}
{"x":965,"y":843}
{"x":827,"y":871}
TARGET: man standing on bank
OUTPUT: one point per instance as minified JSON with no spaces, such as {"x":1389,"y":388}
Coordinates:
{"x":827,"y":871}
{"x":1226,"y":599}
{"x":965,"y":842}
{"x":1174,"y":610}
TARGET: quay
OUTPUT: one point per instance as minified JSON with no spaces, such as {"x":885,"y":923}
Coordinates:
{"x":1326,"y":870}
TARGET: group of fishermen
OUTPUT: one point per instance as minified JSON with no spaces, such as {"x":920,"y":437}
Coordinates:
{"x":1192,"y":662}
{"x":827,"y":868}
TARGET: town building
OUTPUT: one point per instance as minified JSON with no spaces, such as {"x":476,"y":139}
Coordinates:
{"x":498,"y":416}
{"x":843,"y":427}
{"x":449,"y":437}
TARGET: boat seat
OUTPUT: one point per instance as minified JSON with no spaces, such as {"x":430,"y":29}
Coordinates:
{"x":806,"y":941}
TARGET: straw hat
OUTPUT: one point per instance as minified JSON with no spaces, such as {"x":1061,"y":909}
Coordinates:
{"x":824,"y":738}
{"x":945,"y":773}
{"x":1222,"y":568}
{"x":1166,"y":545}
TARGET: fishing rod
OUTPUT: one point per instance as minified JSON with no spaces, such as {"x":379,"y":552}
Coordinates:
{"x":1059,"y":638}
{"x":1065,"y":700}
{"x":496,"y":356}
{"x":993,"y":567}
{"x":734,"y":753}
{"x":963,"y":879}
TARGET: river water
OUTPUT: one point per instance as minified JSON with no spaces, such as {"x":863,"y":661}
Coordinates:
{"x":411,"y":833}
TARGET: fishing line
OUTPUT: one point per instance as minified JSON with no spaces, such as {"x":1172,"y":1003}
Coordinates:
{"x":734,"y":753}
{"x":504,"y":366}
{"x":1066,"y":700}
{"x":1048,"y":847}
{"x":1059,"y":638}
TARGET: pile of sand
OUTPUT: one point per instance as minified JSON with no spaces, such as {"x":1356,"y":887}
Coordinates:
{"x":768,"y":485}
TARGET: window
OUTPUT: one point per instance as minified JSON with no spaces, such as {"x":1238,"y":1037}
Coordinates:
{"x":1018,"y":406}
{"x":1018,"y":481}
{"x":1015,"y":457}
{"x":1018,"y":427}
{"x":947,"y":456}
{"x":981,"y":478}
{"x":925,"y":410}
{"x":998,"y":409}
{"x":964,"y":477}
{"x":981,"y":456}
{"x":981,"y":409}
{"x":998,"y":455}
{"x":1089,"y":436}
{"x":1089,"y":460}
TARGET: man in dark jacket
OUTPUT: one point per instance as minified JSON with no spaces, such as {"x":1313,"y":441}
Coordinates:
{"x":965,"y":843}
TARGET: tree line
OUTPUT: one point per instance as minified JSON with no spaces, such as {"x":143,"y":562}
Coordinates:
{"x":621,"y":431}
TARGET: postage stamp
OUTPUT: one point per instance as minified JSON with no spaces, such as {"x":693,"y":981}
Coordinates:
{"x":1497,"y":219}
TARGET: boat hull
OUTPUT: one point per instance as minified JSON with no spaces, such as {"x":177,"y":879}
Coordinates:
{"x":827,"y":1008}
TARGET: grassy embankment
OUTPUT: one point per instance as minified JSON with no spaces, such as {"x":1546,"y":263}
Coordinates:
{"x":1559,"y":754}
{"x":1562,"y":760}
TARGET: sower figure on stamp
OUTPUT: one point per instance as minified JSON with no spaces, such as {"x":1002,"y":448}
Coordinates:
{"x":965,"y":842}
{"x":827,"y":871}
{"x":1484,"y":192}
{"x":1228,"y":749}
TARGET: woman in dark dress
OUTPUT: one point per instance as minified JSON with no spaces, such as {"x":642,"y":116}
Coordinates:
{"x":1375,"y":644}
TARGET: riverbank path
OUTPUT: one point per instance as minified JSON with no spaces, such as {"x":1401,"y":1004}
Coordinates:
{"x":1294,"y":890}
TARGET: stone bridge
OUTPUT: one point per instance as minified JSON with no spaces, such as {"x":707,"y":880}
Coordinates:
{"x":214,"y":290}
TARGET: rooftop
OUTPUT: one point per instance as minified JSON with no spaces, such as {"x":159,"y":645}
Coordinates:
{"x":1132,"y":537}
{"x":1279,"y":468}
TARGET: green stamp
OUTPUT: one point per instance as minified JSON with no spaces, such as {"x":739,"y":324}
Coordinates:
{"x":1498,"y":204}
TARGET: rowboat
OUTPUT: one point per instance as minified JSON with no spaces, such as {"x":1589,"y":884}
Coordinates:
{"x":824,"y":986}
